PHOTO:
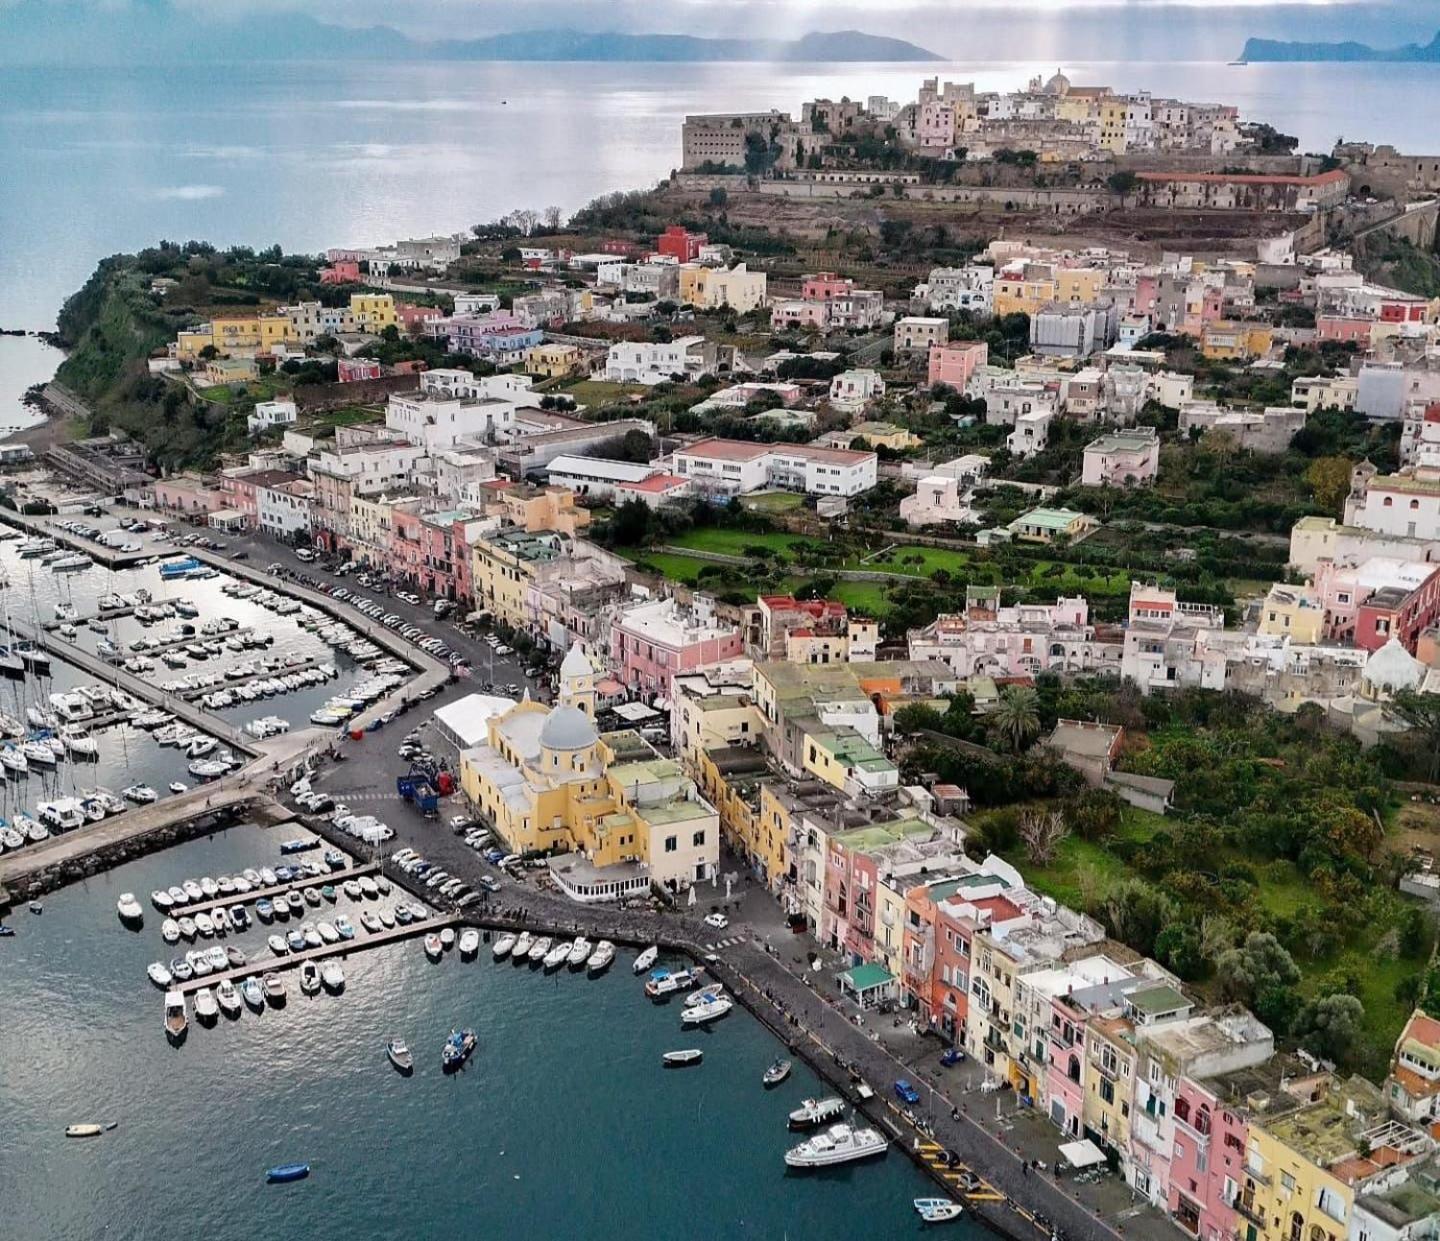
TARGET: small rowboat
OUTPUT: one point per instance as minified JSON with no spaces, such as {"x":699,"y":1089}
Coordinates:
{"x":287,"y":1172}
{"x":679,"y":1059}
{"x":88,"y":1131}
{"x":777,"y":1073}
{"x":937,"y":1210}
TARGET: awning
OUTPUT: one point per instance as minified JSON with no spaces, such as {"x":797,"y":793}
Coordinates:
{"x":1082,"y":1154}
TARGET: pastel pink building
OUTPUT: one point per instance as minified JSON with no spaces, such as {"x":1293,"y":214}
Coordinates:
{"x":954,"y":363}
{"x":188,"y":494}
{"x":651,"y":642}
{"x":1344,"y":328}
{"x":414,"y":317}
{"x":796,"y":312}
{"x":407,"y":545}
{"x":825,"y":285}
{"x":935,"y":125}
{"x":343,"y":271}
{"x":1065,"y":1066}
{"x":353,"y":370}
{"x":1147,"y":293}
{"x":1208,"y":1155}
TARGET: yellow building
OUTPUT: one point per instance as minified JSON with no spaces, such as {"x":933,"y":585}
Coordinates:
{"x":1110,"y":1053}
{"x":1078,"y":285}
{"x":552,"y":361}
{"x":1112,"y":124}
{"x":276,"y":329}
{"x":1228,"y":341}
{"x":1289,"y":612}
{"x":847,"y":761}
{"x":545,"y":508}
{"x":236,"y":333}
{"x":709,"y":721}
{"x":190,"y":343}
{"x":546,"y":782}
{"x":1024,"y":291}
{"x":503,"y":565}
{"x":373,"y":311}
{"x":883,"y":435}
{"x":710,"y":288}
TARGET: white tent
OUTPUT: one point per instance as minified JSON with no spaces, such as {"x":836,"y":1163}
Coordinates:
{"x":1082,"y":1154}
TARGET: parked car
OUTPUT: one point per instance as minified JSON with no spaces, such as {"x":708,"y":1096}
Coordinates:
{"x":905,"y":1092}
{"x":718,"y":921}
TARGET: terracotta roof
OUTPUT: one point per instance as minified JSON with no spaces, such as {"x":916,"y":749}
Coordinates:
{"x":726,"y":450}
{"x":655,"y":483}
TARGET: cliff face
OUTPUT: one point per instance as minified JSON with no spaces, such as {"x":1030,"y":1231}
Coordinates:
{"x":1275,"y":50}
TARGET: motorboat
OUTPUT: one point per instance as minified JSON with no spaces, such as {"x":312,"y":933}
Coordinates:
{"x":327,"y":892}
{"x":287,"y":1172}
{"x":352,"y":889}
{"x":386,"y":917}
{"x":433,"y":948}
{"x":368,"y":887}
{"x":327,"y":933}
{"x":709,"y":1009}
{"x":296,"y":941}
{"x":274,"y":988}
{"x":264,"y":909}
{"x":776,"y":1073}
{"x":501,"y":948}
{"x":447,"y":938}
{"x":252,"y":994}
{"x":142,"y":794}
{"x":646,"y":959}
{"x":228,"y":998}
{"x":680,"y":1059}
{"x":309,"y":978}
{"x":170,"y":931}
{"x":311,"y":934}
{"x":177,"y":895}
{"x":178,"y":786}
{"x":267,"y":877}
{"x":660,"y":984}
{"x":332,"y":976}
{"x":235,"y":957}
{"x":130,"y":910}
{"x":382,"y":885}
{"x":815,"y":1112}
{"x":159,"y":975}
{"x":175,"y":1021}
{"x":601,"y":958}
{"x":368,"y":919}
{"x":522,"y":947}
{"x":713,"y":992}
{"x":181,"y":970}
{"x":208,"y":769}
{"x":403,"y":915}
{"x":344,"y":928}
{"x":218,"y":957}
{"x":239,"y":918}
{"x":469,"y":942}
{"x":312,"y":896}
{"x":458,"y":1048}
{"x":400,"y":1056}
{"x":937,"y":1210}
{"x":204,"y":925}
{"x":187,"y":927}
{"x":161,"y":900}
{"x":579,"y":952}
{"x":539,"y":950}
{"x":295,"y":901}
{"x":78,"y":742}
{"x":278,"y":945}
{"x":557,"y":955}
{"x":193,"y":890}
{"x":837,"y":1144}
{"x":206,"y":1007}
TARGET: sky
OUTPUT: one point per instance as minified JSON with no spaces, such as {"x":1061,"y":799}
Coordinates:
{"x":958,"y":29}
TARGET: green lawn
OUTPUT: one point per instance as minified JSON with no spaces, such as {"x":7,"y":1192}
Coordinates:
{"x":772,"y":502}
{"x":864,"y":597}
{"x":602,"y":391}
{"x":867,"y":598}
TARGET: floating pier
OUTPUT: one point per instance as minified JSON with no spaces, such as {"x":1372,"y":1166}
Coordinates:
{"x":280,"y":889}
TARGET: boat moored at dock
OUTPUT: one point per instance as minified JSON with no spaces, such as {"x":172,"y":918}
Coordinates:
{"x":838,"y":1144}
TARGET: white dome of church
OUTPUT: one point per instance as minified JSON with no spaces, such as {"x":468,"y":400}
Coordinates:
{"x":568,"y":728}
{"x":1393,"y":668}
{"x":576,"y":663}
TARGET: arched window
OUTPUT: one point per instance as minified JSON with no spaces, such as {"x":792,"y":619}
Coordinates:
{"x":1202,"y":1121}
{"x":1073,"y":1069}
{"x":1182,"y":1110}
{"x":1389,"y":501}
{"x":1414,"y":504}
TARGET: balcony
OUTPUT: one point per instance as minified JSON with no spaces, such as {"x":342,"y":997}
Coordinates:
{"x":1250,"y":1212}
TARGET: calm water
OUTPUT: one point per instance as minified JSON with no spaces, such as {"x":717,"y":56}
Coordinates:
{"x":563,"y":1125}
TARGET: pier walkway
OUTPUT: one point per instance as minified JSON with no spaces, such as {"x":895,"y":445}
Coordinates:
{"x":254,"y":969}
{"x":279,"y":889}
{"x":304,"y":665}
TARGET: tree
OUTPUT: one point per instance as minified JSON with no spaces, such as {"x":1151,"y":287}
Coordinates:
{"x":719,"y":196}
{"x":1122,"y":182}
{"x":1016,"y":719}
{"x":1095,"y":814}
{"x":553,"y":216}
{"x":1329,"y":481}
{"x":1422,"y":713}
{"x":630,"y":526}
{"x":1259,"y":967}
{"x":915,"y":716}
{"x":1137,"y":912}
{"x":1041,"y":832}
{"x":1330,"y":1027}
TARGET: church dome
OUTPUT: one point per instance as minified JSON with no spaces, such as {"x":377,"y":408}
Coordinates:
{"x":1393,"y":668}
{"x":576,"y":664}
{"x":568,"y":728}
{"x":1058,"y":85}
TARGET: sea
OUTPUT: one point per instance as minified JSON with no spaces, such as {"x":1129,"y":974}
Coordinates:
{"x":315,"y":155}
{"x":563,"y":1125}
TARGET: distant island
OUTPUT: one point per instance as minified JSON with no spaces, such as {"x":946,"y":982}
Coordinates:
{"x":1276,"y":50}
{"x":43,"y":33}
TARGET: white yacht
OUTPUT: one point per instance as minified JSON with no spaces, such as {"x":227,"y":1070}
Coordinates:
{"x":332,"y":976}
{"x":837,"y":1144}
{"x":710,"y":1009}
{"x":502,"y":946}
{"x":646,"y":959}
{"x":129,"y":907}
{"x":579,"y":953}
{"x":63,"y":814}
{"x":228,"y":998}
{"x":207,"y":1009}
{"x":141,"y":793}
{"x":813,"y":1112}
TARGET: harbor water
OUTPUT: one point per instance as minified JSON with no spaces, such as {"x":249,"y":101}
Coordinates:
{"x":563,"y":1124}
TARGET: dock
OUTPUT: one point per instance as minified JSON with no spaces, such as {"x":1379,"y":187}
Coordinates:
{"x":190,"y":639}
{"x":194,"y":695}
{"x":280,"y":889}
{"x":254,"y":969}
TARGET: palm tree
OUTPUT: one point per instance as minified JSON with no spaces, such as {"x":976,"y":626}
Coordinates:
{"x":1016,"y":719}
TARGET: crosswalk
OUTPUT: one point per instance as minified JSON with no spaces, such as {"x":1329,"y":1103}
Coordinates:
{"x":725,"y":943}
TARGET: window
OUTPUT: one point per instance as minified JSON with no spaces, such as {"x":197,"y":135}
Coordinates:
{"x":1106,"y":1089}
{"x":699,"y":839}
{"x":670,"y":844}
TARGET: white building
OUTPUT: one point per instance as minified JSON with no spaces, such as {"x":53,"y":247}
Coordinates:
{"x":597,"y":477}
{"x":735,"y":467}
{"x":1404,"y":504}
{"x":852,"y":391}
{"x":269,"y":414}
{"x":938,"y":498}
{"x":652,"y":362}
{"x":1031,"y":434}
{"x":1122,"y":459}
{"x":948,"y":289}
{"x":915,"y":334}
{"x":284,"y":510}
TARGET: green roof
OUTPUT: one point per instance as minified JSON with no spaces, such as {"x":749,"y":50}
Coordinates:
{"x":1160,"y":999}
{"x":864,"y":977}
{"x":1051,"y":518}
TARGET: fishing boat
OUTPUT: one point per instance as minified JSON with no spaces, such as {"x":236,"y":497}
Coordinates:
{"x":557,"y":956}
{"x":539,"y":950}
{"x":523,"y":944}
{"x":469,"y":942}
{"x":204,"y":925}
{"x":287,"y":1172}
{"x":602,"y":956}
{"x":274,"y":989}
{"x":312,"y":897}
{"x":433,"y":948}
{"x":709,"y":1009}
{"x":937,"y":1210}
{"x":458,"y":1049}
{"x":837,"y":1144}
{"x":278,"y":945}
{"x":228,"y":998}
{"x":252,"y":994}
{"x":344,"y":928}
{"x":129,"y":909}
{"x":327,"y":933}
{"x":142,"y":794}
{"x":310,"y":933}
{"x":295,"y":940}
{"x":814,"y":1112}
{"x":309,"y":978}
{"x":177,"y":786}
{"x":400,"y":1056}
{"x":170,"y":931}
{"x":579,"y":953}
{"x":646,"y":959}
{"x":660,"y":984}
{"x":368,"y":919}
{"x":161,"y":900}
{"x":159,"y":975}
{"x":501,"y":948}
{"x":332,"y":976}
{"x":368,"y":887}
{"x":387,"y":918}
{"x":206,"y":1008}
{"x":776,"y":1073}
{"x":264,"y":909}
{"x":679,"y":1059}
{"x":329,"y":893}
{"x":235,"y":957}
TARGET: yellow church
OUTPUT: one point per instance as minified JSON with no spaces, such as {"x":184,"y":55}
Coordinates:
{"x":547,"y":782}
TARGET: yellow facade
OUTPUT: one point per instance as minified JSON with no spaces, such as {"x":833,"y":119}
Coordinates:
{"x":1291,"y":1194}
{"x":890,"y":927}
{"x":552,"y":508}
{"x":710,"y":288}
{"x":373,"y":311}
{"x":1016,"y":295}
{"x":499,"y":578}
{"x":551,"y":361}
{"x":1079,"y":285}
{"x":771,"y":844}
{"x":803,"y":648}
{"x":188,"y":344}
{"x":1228,"y":341}
{"x":1289,"y":612}
{"x":236,"y":333}
{"x":276,"y":330}
{"x":885,"y":435}
{"x":1111,"y":1076}
{"x":705,"y":723}
{"x":992,"y":1002}
{"x":1112,"y":124}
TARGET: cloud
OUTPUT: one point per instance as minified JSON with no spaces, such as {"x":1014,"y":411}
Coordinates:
{"x":189,"y":193}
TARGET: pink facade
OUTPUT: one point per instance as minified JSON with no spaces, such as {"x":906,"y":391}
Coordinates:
{"x":353,"y":370}
{"x":1343,"y":328}
{"x":1209,"y":1151}
{"x":955,"y":363}
{"x":407,"y":557}
{"x":950,"y":988}
{"x":240,"y":494}
{"x":825,"y":285}
{"x":343,"y":271}
{"x":935,"y":125}
{"x":1403,"y":310}
{"x":645,"y":657}
{"x":412,"y":316}
{"x":184,"y":495}
{"x":792,"y":313}
{"x":1065,"y":1067}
